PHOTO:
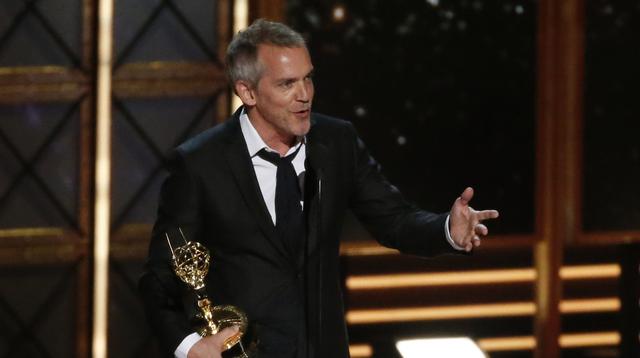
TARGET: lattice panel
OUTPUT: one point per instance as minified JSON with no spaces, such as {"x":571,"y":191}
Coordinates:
{"x":36,"y":32}
{"x":37,"y":306}
{"x":39,"y":176}
{"x":165,"y":30}
{"x":144,"y":131}
{"x":128,"y":323}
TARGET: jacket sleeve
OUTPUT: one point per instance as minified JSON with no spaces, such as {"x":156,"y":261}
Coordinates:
{"x":388,"y":216}
{"x":164,"y":296}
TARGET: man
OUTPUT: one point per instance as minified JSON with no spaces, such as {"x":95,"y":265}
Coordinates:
{"x":274,"y":246}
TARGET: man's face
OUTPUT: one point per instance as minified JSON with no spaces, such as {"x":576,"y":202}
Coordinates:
{"x":284,"y":92}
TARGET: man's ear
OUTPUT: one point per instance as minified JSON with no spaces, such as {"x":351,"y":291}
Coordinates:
{"x":245,"y":92}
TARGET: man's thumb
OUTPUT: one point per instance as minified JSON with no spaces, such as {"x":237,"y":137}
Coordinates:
{"x":466,"y":196}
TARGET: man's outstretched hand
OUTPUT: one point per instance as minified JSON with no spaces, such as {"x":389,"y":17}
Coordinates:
{"x":212,"y":346}
{"x":465,"y":224}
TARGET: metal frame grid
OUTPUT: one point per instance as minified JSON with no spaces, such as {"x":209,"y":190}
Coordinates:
{"x":71,"y":245}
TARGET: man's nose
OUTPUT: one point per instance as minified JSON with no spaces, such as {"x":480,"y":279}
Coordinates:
{"x":303,"y":92}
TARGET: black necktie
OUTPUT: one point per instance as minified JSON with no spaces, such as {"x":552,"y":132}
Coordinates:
{"x":289,"y":216}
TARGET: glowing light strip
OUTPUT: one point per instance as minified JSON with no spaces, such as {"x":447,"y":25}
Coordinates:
{"x":439,"y":279}
{"x":568,"y":340}
{"x":505,"y":309}
{"x":507,"y":343}
{"x":609,"y":304}
{"x":588,"y":272}
{"x":365,"y":316}
{"x":371,"y":248}
{"x":360,"y":350}
{"x":367,"y":282}
{"x":31,"y":232}
{"x":589,"y":339}
{"x":240,"y":21}
{"x":102,"y":180}
{"x":366,"y":249}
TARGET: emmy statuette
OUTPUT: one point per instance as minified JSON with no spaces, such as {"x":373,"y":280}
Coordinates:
{"x":191,"y":264}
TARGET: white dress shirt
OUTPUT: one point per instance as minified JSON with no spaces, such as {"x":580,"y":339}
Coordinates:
{"x":266,"y":174}
{"x":265,"y":170}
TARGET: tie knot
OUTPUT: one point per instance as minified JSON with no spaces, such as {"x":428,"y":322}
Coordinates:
{"x":275,"y":158}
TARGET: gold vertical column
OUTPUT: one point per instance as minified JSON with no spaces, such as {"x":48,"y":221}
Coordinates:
{"x":102,"y":180}
{"x":240,"y":15}
{"x":240,"y":21}
{"x":547,"y":254}
{"x":560,"y":71}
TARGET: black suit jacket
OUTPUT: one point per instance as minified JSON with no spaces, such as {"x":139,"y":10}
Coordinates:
{"x":213,"y":195}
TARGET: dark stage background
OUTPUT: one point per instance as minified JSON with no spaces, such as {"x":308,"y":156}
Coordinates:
{"x":533,"y":103}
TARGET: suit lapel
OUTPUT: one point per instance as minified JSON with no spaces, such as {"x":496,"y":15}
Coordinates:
{"x":315,"y":166}
{"x":238,"y":159}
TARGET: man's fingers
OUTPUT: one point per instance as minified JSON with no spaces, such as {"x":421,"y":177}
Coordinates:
{"x":212,"y":346}
{"x":487,"y":214}
{"x":466,"y":196}
{"x":481,"y":230}
{"x":476,"y":241}
{"x":466,"y":222}
{"x":227,"y":333}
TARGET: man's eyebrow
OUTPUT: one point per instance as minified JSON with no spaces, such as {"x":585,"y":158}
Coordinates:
{"x":286,"y":79}
{"x":293,"y":79}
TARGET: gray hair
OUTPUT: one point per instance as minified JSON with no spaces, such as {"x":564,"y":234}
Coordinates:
{"x":242,"y":53}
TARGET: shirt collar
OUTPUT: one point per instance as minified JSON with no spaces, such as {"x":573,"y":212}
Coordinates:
{"x":253,"y":139}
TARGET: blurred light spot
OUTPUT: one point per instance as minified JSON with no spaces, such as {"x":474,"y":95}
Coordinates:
{"x":462,"y":25}
{"x":405,"y":27}
{"x":402,"y":30}
{"x":439,"y":347}
{"x":312,"y":18}
{"x":408,"y":104}
{"x":608,"y":10}
{"x":339,"y":13}
{"x":433,"y":2}
{"x":402,"y":140}
{"x":360,"y":111}
{"x":449,"y":14}
{"x":519,"y":9}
